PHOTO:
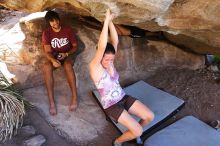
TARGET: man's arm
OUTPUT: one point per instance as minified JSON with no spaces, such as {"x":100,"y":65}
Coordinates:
{"x":72,"y":50}
{"x":50,"y":57}
{"x":72,"y":38}
{"x":48,"y":50}
{"x":48,"y":53}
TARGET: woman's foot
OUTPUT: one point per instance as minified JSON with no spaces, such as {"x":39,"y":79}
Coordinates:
{"x":53,"y":110}
{"x":216,"y":124}
{"x":139,"y":141}
{"x":73,"y":105}
{"x":115,"y":143}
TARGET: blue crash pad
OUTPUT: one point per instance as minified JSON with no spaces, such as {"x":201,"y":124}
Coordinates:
{"x":161,"y":103}
{"x":188,"y":131}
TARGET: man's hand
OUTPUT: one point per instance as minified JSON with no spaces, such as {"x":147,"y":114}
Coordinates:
{"x":62,"y":56}
{"x":56,"y":63}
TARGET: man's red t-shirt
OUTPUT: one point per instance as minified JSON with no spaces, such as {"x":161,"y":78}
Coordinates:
{"x":61,"y":41}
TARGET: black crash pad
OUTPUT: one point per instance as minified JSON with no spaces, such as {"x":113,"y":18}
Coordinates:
{"x":161,"y":103}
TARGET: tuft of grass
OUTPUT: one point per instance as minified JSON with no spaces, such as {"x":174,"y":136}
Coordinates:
{"x":12,"y":109}
{"x":12,"y":112}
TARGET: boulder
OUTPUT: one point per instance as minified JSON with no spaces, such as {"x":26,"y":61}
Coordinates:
{"x":196,"y":19}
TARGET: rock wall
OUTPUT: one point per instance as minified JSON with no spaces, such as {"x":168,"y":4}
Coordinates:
{"x":196,"y":20}
{"x":136,"y":59}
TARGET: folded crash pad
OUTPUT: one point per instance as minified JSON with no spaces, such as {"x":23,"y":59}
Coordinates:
{"x":188,"y":131}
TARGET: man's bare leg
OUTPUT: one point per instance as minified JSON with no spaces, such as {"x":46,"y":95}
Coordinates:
{"x":48,"y":78}
{"x":68,"y":67}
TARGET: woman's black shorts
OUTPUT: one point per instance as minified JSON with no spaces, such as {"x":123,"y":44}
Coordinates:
{"x":116,"y":110}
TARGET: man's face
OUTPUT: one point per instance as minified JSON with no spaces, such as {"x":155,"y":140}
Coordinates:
{"x":55,"y":24}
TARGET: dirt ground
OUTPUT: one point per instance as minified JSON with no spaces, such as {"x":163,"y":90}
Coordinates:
{"x":199,"y":89}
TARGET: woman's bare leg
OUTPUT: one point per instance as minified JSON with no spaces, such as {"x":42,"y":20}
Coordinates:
{"x":134,"y":128}
{"x":141,"y":111}
{"x":144,"y":113}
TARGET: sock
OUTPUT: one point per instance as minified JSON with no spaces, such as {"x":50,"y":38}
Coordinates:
{"x":139,"y":141}
{"x":116,"y":144}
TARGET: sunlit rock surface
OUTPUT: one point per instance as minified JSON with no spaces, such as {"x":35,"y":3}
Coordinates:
{"x":137,"y":58}
{"x":197,"y":20}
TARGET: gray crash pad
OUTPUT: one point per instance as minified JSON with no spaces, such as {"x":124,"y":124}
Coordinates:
{"x":161,"y":103}
{"x":188,"y":131}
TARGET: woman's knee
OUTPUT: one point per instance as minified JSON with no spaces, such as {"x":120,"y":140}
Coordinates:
{"x":138,"y":130}
{"x":149,"y":116}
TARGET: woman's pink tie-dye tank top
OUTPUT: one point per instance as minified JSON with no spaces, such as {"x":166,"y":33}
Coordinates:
{"x":109,"y":89}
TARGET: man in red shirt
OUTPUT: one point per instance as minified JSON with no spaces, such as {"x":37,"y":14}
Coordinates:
{"x":59,"y":42}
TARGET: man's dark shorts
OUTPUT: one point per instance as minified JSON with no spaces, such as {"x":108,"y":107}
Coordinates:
{"x":72,"y":57}
{"x":56,"y":56}
{"x":115,"y":111}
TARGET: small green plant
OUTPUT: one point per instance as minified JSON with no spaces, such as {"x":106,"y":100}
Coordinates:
{"x":12,"y":109}
{"x":217,"y":58}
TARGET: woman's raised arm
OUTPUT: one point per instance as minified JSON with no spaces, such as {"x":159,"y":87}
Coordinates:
{"x":113,"y":35}
{"x":103,"y":39}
